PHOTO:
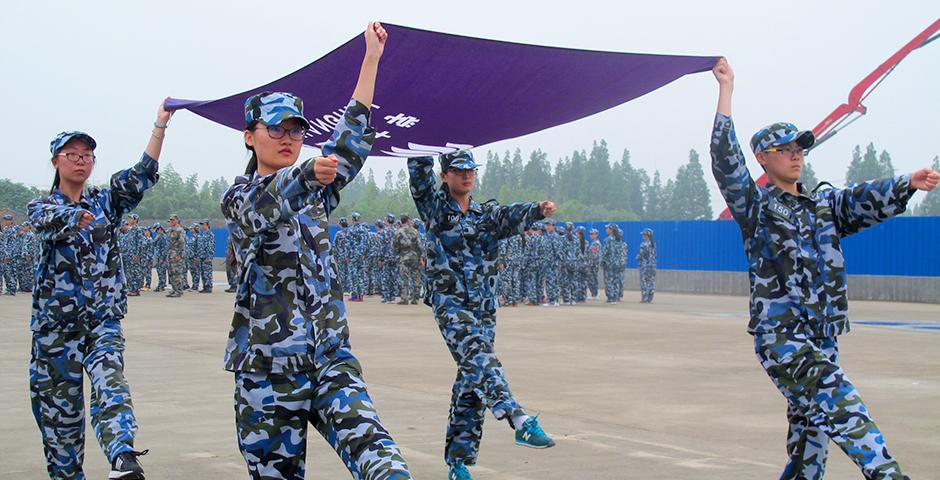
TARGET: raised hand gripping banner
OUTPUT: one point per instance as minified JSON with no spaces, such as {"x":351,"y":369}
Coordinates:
{"x":437,"y":92}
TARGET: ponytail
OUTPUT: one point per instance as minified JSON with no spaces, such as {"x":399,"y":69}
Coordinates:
{"x":252,"y":166}
{"x":55,"y":182}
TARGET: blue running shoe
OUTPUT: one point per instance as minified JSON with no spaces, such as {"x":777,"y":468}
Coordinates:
{"x":458,"y":471}
{"x":532,"y":435}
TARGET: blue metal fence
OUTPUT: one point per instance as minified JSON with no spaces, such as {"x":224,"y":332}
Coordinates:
{"x":904,"y":246}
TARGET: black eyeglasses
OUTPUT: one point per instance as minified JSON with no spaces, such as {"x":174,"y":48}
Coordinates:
{"x":78,"y":157}
{"x":277,"y":132}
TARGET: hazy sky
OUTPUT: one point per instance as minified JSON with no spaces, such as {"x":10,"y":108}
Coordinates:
{"x":103,"y":67}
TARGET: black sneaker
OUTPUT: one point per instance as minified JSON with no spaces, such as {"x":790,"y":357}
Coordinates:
{"x":127,"y":467}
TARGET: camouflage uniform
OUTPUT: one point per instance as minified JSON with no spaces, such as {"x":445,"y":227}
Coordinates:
{"x":614,"y":259}
{"x":78,"y":304}
{"x":550,"y":251}
{"x":511,"y":276}
{"x":341,"y":247}
{"x":160,"y":261}
{"x":206,"y":250}
{"x":358,"y":250}
{"x":28,"y":249}
{"x":582,"y":267}
{"x":375,"y":255}
{"x":134,"y":244}
{"x":192,"y":265}
{"x":407,"y":246}
{"x":646,"y":261}
{"x":570,"y":266}
{"x":462,"y":294}
{"x":532,"y":269}
{"x":176,"y":258}
{"x":389,"y":264}
{"x":7,"y":249}
{"x":594,"y":263}
{"x":289,"y":341}
{"x":146,"y":260}
{"x":798,"y":297}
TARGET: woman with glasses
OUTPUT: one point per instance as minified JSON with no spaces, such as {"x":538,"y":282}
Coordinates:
{"x":289,"y":342}
{"x":78,"y":303}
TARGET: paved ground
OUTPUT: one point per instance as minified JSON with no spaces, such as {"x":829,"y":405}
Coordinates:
{"x":669,"y":390}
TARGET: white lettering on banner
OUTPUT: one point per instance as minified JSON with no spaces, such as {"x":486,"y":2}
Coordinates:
{"x":402,"y":120}
{"x":382,"y":134}
{"x":324,"y":125}
{"x":420,"y":150}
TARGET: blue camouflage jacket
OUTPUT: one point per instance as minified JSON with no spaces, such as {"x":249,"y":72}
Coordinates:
{"x":79,"y":277}
{"x":793,"y":243}
{"x":289,"y":312}
{"x":463,"y":247}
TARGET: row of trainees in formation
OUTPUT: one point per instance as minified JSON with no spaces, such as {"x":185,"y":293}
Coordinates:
{"x":181,"y":258}
{"x":288,"y":346}
{"x":544,"y":265}
{"x":538,"y":268}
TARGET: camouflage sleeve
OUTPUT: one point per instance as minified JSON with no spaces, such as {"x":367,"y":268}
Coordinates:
{"x":421,"y":178}
{"x":258,"y":207}
{"x":515,"y":218}
{"x":730,"y":170}
{"x":870,"y":203}
{"x":52,"y":221}
{"x":351,"y":141}
{"x":128,"y":186}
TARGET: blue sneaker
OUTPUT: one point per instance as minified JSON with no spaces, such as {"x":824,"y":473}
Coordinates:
{"x":532,"y":435}
{"x":458,"y":471}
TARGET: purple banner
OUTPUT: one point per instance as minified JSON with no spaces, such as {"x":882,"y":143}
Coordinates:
{"x":436,"y":91}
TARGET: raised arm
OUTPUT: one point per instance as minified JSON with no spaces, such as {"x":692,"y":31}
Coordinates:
{"x":421,"y":180}
{"x":728,"y":162}
{"x":352,"y":139}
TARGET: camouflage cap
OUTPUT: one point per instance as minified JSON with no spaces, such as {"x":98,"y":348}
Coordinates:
{"x":561,"y":230}
{"x":157,"y":226}
{"x":390,"y":218}
{"x":356,"y":216}
{"x":549,"y":221}
{"x":174,"y":217}
{"x":459,"y":160}
{"x":61,"y":139}
{"x":343,"y":222}
{"x":205,"y":221}
{"x":594,"y":231}
{"x":781,"y":133}
{"x":272,"y":108}
{"x":134,"y":216}
{"x":646,"y":231}
{"x":194,"y":226}
{"x":569,"y":225}
{"x":8,"y":217}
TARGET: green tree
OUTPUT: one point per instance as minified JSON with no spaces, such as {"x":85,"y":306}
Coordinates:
{"x":690,"y":198}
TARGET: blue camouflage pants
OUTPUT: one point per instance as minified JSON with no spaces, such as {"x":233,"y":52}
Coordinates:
{"x":480,"y":384}
{"x":647,"y":283}
{"x":9,"y":276}
{"x":592,"y":280}
{"x":613,"y":283}
{"x":205,"y":270}
{"x":161,"y":267}
{"x":550,"y":276}
{"x":25,"y":275}
{"x":342,"y":271}
{"x":389,"y":280}
{"x":357,"y":277}
{"x":272,"y":413}
{"x":195,"y":273}
{"x":55,"y":388}
{"x":821,"y":404}
{"x":513,"y":283}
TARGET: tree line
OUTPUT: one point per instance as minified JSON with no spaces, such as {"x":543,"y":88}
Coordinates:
{"x":586,"y":185}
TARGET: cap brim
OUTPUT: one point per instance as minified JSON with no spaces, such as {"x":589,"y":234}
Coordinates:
{"x":280,"y":119}
{"x":805,"y":139}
